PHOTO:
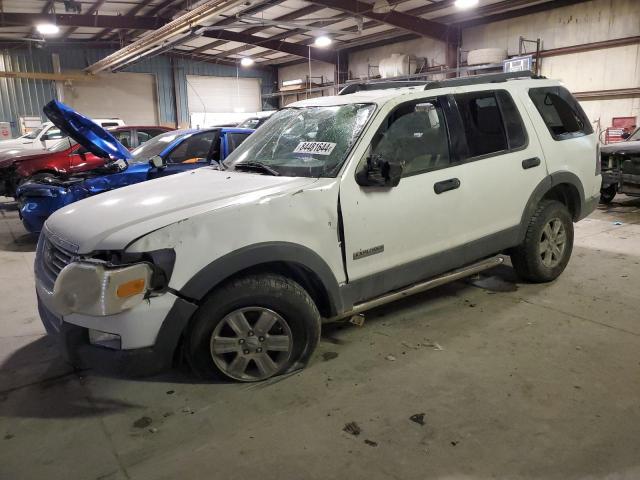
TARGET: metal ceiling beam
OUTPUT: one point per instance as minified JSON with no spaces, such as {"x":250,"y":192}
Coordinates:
{"x":93,"y":9}
{"x":250,"y":31}
{"x":130,"y":13}
{"x":72,"y":20}
{"x":297,"y":49}
{"x":410,"y":23}
{"x":180,"y":27}
{"x":537,"y":8}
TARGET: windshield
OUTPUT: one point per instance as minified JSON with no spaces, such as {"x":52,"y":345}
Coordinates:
{"x":154,"y":147}
{"x":33,"y":135}
{"x":62,"y":145}
{"x":635,"y":137}
{"x":306,"y":141}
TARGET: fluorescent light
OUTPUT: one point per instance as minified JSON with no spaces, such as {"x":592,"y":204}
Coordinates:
{"x":322,"y":41}
{"x":289,"y":83}
{"x":246,"y":62}
{"x":47,"y":28}
{"x":463,"y":4}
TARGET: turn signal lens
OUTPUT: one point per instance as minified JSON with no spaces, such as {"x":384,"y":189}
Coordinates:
{"x":131,"y":288}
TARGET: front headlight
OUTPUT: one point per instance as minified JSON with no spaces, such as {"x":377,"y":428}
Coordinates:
{"x":94,"y":289}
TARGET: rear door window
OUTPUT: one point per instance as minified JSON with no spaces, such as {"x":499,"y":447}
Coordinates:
{"x":124,"y":137}
{"x":482,"y":122}
{"x":561,"y":112}
{"x":515,"y":129}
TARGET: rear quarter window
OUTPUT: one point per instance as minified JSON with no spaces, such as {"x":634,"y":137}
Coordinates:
{"x":560,"y":112}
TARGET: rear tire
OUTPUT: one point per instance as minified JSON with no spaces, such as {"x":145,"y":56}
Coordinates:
{"x":253,"y":328}
{"x":547,"y":246}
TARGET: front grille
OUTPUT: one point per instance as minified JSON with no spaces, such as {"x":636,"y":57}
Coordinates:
{"x":50,"y":260}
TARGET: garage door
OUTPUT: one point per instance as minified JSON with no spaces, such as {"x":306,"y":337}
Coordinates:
{"x":129,"y":96}
{"x":216,"y":100}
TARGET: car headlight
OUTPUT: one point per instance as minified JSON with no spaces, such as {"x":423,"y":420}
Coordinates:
{"x":98,"y":290}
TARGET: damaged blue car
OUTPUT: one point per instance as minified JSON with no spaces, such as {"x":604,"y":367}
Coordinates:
{"x":172,"y":152}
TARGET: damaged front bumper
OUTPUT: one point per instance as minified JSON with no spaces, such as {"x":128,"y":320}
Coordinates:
{"x":148,"y":335}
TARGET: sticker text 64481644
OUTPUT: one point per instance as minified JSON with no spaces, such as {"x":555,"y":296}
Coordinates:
{"x":315,"y":148}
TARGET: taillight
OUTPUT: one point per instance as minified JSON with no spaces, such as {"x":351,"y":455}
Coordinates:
{"x":598,"y":160}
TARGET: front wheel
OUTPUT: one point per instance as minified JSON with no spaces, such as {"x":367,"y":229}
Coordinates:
{"x":547,"y":246}
{"x":253,"y":328}
{"x":607,"y":194}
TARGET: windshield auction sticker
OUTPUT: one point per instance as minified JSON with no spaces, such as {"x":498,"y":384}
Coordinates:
{"x":315,"y":148}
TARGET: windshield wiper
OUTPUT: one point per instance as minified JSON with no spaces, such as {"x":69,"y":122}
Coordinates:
{"x":257,"y":166}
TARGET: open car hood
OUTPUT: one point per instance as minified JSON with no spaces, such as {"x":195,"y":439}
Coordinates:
{"x":85,"y":131}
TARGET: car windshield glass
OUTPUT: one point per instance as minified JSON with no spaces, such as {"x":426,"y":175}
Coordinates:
{"x":635,"y":137}
{"x":62,"y":145}
{"x":153,"y":147}
{"x":33,"y":135}
{"x":305,"y":141}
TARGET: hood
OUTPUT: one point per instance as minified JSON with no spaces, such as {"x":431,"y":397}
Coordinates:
{"x":85,"y":131}
{"x":9,"y":157}
{"x":129,"y":213}
{"x":621,"y":148}
{"x":15,"y":144}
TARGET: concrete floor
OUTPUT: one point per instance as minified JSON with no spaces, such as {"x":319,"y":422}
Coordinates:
{"x":541,"y":382}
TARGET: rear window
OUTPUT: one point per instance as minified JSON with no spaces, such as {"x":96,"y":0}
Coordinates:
{"x":561,"y":112}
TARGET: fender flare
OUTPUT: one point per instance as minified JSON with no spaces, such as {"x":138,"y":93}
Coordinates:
{"x":550,"y":181}
{"x":258,"y":254}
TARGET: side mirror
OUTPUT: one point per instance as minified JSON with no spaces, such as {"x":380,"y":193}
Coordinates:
{"x":379,"y":172}
{"x":157,"y":162}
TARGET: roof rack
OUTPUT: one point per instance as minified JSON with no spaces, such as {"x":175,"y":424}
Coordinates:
{"x":429,"y":85}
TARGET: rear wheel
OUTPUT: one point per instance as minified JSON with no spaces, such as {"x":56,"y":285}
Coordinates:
{"x":253,"y":328}
{"x":607,"y":194}
{"x":546,"y":249}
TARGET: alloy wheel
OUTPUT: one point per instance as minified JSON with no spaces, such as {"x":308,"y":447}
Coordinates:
{"x":251,"y":344}
{"x":553,"y":242}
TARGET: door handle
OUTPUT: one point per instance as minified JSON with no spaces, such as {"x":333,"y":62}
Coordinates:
{"x":446,"y":185}
{"x":530,"y":162}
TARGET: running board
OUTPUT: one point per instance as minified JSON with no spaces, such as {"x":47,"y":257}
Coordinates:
{"x":448,"y":277}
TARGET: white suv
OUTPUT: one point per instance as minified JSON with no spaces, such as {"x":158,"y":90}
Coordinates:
{"x":335,"y":205}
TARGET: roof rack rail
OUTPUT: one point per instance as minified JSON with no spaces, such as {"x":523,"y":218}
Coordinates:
{"x":359,"y":87}
{"x":429,"y":85}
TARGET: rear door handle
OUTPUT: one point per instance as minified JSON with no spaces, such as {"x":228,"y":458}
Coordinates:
{"x":446,"y":185}
{"x":530,"y":162}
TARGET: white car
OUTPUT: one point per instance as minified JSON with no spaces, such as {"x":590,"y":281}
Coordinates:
{"x":334,"y":206}
{"x":48,"y":135}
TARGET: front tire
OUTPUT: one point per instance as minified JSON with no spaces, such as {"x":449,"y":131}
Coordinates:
{"x":547,"y":246}
{"x":253,"y":328}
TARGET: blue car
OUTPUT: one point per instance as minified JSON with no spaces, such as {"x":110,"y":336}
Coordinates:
{"x":166,"y":154}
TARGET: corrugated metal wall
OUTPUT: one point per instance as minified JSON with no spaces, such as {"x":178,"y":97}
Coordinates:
{"x":20,"y":97}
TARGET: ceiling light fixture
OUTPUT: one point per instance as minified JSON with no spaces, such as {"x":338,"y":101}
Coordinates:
{"x":47,"y":28}
{"x":464,"y":4}
{"x":246,"y":62}
{"x":322,"y":41}
{"x":381,"y":6}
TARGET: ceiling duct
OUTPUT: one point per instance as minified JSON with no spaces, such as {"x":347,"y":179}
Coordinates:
{"x":158,"y":38}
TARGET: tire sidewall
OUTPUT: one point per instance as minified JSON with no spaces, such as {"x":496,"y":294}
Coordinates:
{"x":301,"y":316}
